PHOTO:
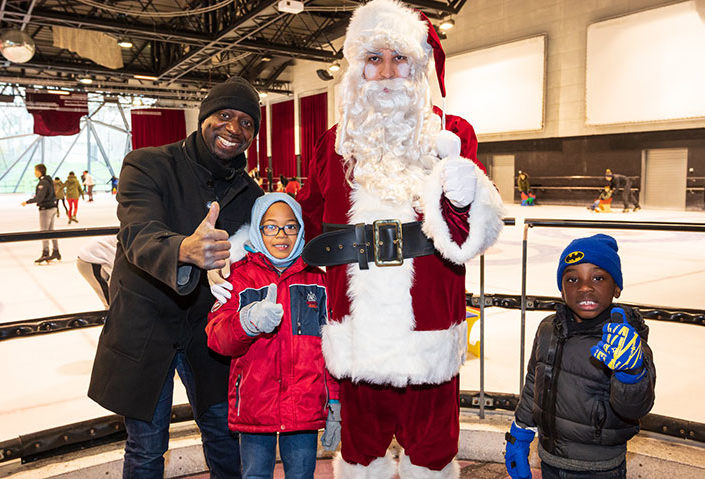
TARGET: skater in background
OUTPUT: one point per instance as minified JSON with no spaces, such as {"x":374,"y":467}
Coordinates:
{"x":73,"y":190}
{"x":590,"y":376}
{"x":88,"y":184}
{"x":60,"y":193}
{"x":45,"y":199}
{"x":603,"y":203}
{"x":528,"y":197}
{"x":624,"y":182}
{"x":523,"y":184}
{"x":95,"y":263}
{"x":113,"y":184}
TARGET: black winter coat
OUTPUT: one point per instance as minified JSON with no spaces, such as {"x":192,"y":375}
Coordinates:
{"x":44,"y":195}
{"x":163,"y":197}
{"x":582,"y":411}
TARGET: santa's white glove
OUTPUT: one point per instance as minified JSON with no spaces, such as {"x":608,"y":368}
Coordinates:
{"x":220,"y":288}
{"x":262,"y":316}
{"x":459,"y":181}
{"x":447,"y":144}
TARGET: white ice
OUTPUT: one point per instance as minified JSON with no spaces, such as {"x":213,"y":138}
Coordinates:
{"x":44,"y":378}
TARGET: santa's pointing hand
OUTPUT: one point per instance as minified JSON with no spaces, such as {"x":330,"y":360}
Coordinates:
{"x":458,"y":173}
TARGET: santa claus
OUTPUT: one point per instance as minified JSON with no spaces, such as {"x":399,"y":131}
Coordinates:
{"x":394,"y":211}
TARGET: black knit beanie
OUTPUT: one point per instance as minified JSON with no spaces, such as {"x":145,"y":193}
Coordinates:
{"x":235,"y":93}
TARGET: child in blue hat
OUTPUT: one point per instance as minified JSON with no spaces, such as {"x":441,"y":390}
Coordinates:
{"x":590,"y":376}
{"x":268,"y":318}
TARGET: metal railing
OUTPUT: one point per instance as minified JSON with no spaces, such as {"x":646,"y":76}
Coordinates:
{"x":111,"y":428}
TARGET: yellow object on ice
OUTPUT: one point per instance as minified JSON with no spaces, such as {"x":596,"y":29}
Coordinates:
{"x":471,"y":316}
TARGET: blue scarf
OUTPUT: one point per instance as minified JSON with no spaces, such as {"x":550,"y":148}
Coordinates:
{"x":260,"y":207}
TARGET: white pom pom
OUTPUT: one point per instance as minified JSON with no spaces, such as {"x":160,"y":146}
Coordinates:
{"x":447,"y":144}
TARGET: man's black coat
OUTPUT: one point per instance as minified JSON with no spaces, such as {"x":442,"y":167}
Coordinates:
{"x":164,"y":195}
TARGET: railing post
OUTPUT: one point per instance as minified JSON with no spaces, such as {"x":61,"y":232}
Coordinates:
{"x":522,"y":340}
{"x":482,"y":336}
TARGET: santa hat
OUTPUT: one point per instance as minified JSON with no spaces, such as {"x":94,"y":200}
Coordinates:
{"x":390,"y":24}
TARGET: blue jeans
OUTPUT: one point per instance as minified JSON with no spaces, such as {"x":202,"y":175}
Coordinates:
{"x":148,"y":441}
{"x":297,"y":451}
{"x":550,"y":472}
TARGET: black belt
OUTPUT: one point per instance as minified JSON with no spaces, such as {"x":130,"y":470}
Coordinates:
{"x":385,"y":242}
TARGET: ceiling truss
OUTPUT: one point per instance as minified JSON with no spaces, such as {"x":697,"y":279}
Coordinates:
{"x":186,"y":54}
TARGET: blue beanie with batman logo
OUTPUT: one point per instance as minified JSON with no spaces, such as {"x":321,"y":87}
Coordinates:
{"x":600,"y":250}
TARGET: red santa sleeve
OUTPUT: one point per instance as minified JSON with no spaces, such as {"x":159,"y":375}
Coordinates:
{"x":311,"y":197}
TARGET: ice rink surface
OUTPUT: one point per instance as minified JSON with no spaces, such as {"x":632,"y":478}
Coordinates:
{"x":45,"y":378}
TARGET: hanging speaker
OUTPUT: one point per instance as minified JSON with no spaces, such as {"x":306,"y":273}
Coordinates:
{"x":324,"y":75}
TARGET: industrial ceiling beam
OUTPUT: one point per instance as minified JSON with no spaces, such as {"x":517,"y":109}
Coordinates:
{"x":194,"y":55}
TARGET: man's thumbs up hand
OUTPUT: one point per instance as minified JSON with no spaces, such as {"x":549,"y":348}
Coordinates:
{"x":208,"y":247}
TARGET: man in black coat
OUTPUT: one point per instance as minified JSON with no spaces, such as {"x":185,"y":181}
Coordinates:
{"x":45,"y":198}
{"x":177,"y":206}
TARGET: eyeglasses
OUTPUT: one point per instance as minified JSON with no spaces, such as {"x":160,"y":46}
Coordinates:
{"x":273,"y":230}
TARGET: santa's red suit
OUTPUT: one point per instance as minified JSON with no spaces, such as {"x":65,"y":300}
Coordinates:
{"x":397,"y":335}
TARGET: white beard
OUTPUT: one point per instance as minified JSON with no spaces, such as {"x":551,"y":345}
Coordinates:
{"x":389,"y":137}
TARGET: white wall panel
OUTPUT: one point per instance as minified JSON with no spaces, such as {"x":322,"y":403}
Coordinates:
{"x":648,"y":66}
{"x":499,"y":89}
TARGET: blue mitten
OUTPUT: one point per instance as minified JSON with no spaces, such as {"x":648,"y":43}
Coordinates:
{"x":516,"y":455}
{"x":620,"y":348}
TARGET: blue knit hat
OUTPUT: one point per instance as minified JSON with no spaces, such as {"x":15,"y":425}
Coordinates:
{"x":600,"y":250}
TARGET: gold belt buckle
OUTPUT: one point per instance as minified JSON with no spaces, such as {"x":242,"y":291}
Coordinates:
{"x":398,"y":260}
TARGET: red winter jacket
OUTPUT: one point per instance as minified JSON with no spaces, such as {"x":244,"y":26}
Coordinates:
{"x":278,"y":381}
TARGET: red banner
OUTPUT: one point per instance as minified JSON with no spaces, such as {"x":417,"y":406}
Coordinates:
{"x":56,"y":115}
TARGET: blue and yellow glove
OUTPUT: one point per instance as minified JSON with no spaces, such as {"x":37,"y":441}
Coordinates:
{"x":516,"y":455}
{"x":620,"y":348}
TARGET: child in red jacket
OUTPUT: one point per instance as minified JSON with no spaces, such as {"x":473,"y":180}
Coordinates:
{"x":271,"y":327}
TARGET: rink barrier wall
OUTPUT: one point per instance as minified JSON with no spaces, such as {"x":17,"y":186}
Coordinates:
{"x":64,"y":322}
{"x":85,"y":434}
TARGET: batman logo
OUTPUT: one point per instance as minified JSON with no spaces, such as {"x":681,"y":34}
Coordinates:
{"x":574,"y":257}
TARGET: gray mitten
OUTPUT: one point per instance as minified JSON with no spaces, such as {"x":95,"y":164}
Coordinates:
{"x":262,"y":316}
{"x":331,"y":435}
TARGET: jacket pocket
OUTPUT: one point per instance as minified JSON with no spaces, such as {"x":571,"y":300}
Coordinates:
{"x":599,"y":416}
{"x":308,"y":303}
{"x":129,"y":323}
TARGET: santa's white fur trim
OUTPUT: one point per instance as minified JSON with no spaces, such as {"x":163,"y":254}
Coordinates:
{"x":237,"y":243}
{"x":371,"y":350}
{"x":386,"y":24}
{"x":377,"y":342}
{"x":407,"y":470}
{"x":484,"y":217}
{"x":381,"y":468}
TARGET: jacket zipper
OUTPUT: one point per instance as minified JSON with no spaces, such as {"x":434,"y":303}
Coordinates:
{"x":237,"y":393}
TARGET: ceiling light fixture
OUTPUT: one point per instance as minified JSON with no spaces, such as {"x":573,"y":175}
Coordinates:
{"x":85,"y":80}
{"x":290,"y":6}
{"x":334,"y":67}
{"x":447,"y":24}
{"x":263,"y":94}
{"x":125,"y":44}
{"x":145,"y":77}
{"x":57,"y":92}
